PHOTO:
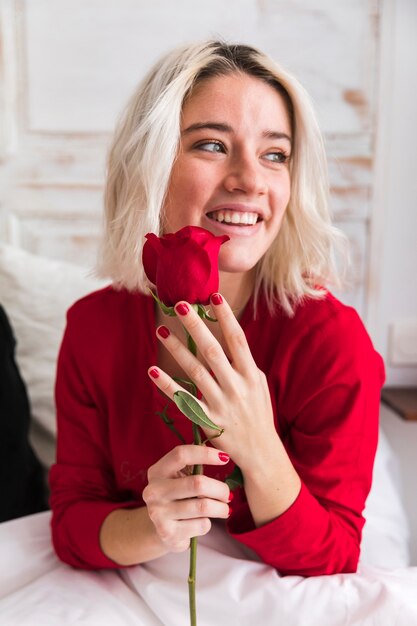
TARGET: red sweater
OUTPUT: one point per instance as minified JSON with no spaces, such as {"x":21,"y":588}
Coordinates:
{"x":324,"y":377}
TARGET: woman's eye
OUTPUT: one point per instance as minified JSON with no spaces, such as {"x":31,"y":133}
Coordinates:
{"x":211,"y":146}
{"x":276,"y":157}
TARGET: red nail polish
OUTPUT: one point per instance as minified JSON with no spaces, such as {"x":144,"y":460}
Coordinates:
{"x":224,"y":457}
{"x":163,"y":332}
{"x":230,"y":511}
{"x":182,"y":308}
{"x":231,"y":496}
{"x":216,"y":298}
{"x":154,"y":373}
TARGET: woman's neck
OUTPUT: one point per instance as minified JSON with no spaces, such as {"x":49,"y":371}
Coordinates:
{"x":237,"y":289}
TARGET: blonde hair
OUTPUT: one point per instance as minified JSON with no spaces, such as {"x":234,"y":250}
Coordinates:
{"x":302,"y":258}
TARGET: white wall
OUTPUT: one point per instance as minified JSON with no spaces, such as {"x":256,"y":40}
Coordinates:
{"x":393,"y":268}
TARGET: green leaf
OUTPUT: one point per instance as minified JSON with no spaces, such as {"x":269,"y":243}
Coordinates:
{"x":235,"y":479}
{"x":204,"y":315}
{"x":191,"y":344}
{"x":213,"y":437}
{"x":210,"y":319}
{"x":169,"y":422}
{"x":189,"y":406}
{"x":184,"y":381}
{"x":168,"y":310}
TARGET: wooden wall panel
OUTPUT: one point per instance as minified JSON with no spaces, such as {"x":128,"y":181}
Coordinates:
{"x":67,"y":67}
{"x":330,"y":45}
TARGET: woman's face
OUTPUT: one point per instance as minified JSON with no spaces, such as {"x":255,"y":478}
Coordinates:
{"x":231,"y":175}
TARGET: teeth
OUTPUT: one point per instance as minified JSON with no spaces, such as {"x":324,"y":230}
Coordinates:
{"x":235,"y":217}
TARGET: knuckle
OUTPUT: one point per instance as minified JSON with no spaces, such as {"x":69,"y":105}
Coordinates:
{"x":254,"y":377}
{"x":198,"y":482}
{"x":153,"y":494}
{"x":205,"y":526}
{"x":165,"y":386}
{"x":197,"y":372}
{"x":152,"y":472}
{"x":153,"y":514}
{"x":203,"y":506}
{"x":166,"y":533}
{"x":193,"y":321}
{"x":150,"y":494}
{"x":241,"y":392}
{"x":180,"y":455}
{"x":237,"y":338}
{"x":213,"y":352}
{"x":147,"y":494}
{"x":180,"y":546}
{"x":169,"y":536}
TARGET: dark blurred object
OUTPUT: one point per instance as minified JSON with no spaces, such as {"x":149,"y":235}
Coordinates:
{"x":403,"y":400}
{"x":22,"y":483}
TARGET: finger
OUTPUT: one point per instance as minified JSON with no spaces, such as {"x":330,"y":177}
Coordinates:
{"x":177,"y":534}
{"x":198,"y":486}
{"x":209,"y":347}
{"x":189,"y":363}
{"x":194,"y":508}
{"x":169,"y":386}
{"x":233,"y":334}
{"x":164,"y":382}
{"x":181,"y":456}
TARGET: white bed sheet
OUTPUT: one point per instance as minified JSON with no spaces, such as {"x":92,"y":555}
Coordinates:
{"x":37,"y":589}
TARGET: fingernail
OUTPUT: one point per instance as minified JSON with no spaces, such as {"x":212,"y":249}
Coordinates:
{"x":154,"y":373}
{"x":224,"y":457}
{"x":216,"y":298}
{"x":231,"y":496}
{"x":230,"y":511}
{"x":182,"y":308}
{"x":163,"y":332}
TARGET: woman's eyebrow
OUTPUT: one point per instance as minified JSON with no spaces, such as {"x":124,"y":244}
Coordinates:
{"x":225,"y":128}
{"x":274,"y":134}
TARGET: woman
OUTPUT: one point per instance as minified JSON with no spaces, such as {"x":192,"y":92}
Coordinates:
{"x":218,"y":137}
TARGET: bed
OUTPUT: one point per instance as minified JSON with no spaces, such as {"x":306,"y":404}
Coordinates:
{"x":232,"y":586}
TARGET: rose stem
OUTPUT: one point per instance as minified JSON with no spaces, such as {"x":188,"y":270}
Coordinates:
{"x":197,"y":469}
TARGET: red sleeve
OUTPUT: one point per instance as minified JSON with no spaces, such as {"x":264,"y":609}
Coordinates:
{"x":327,"y":384}
{"x":83,"y":492}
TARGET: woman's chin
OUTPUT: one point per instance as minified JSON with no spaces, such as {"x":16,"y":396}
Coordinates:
{"x":236,"y":264}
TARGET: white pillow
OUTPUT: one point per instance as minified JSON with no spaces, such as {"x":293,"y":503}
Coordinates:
{"x":36,"y":293}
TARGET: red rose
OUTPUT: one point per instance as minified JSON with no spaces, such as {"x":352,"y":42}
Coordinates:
{"x":183,"y":265}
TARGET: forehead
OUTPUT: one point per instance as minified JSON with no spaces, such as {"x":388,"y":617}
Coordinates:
{"x":238,"y":97}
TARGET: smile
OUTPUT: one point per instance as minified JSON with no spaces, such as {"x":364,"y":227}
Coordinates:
{"x":237,"y":218}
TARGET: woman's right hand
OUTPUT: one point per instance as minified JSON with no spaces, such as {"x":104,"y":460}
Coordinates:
{"x":181,"y":505}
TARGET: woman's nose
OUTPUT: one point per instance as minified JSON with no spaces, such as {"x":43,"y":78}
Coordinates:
{"x":245,"y":175}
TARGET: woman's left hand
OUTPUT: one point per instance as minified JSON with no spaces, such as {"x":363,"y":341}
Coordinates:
{"x":237,"y":398}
